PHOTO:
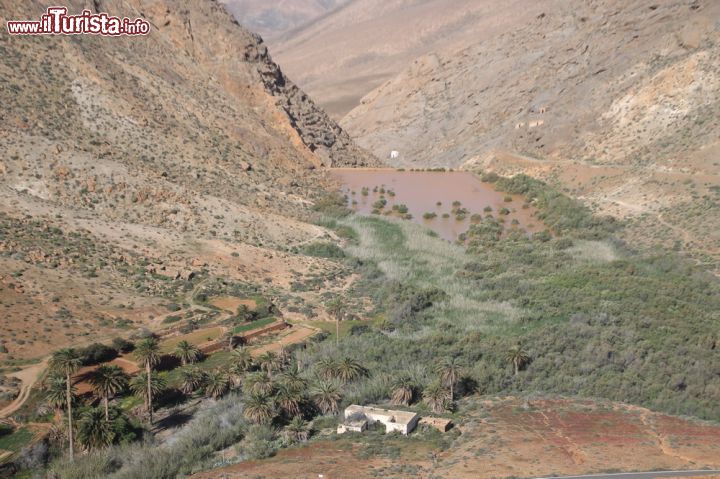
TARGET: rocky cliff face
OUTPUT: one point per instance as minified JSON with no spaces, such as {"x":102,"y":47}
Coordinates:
{"x":318,"y":132}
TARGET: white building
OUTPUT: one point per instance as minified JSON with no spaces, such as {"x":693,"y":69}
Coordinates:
{"x":358,"y":418}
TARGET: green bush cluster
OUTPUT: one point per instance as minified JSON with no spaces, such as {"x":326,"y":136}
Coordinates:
{"x":560,"y":213}
{"x":97,"y":353}
{"x":323,"y":249}
{"x":596,"y":318}
{"x":333,"y":204}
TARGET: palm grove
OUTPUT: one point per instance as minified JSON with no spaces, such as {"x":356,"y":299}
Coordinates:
{"x":275,"y":391}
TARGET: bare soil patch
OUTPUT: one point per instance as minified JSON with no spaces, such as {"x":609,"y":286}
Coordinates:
{"x":231,"y":303}
{"x":512,"y":437}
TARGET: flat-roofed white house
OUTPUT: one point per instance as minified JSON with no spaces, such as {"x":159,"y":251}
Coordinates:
{"x":357,"y":419}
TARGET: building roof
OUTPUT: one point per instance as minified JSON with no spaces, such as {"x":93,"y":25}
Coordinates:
{"x":386,"y":415}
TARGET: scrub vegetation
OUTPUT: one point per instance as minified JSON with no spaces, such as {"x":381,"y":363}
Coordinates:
{"x":569,"y":311}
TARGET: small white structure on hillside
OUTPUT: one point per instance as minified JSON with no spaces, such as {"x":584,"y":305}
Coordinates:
{"x":394,"y":154}
{"x":357,"y":419}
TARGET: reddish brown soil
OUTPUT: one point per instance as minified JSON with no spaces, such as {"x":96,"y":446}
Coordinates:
{"x":82,"y":386}
{"x":509,"y":437}
{"x":231,"y":303}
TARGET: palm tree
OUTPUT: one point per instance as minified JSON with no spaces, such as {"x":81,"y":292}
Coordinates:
{"x":217,"y":383}
{"x":56,"y":391}
{"x":186,"y":352}
{"x":94,"y":431}
{"x":107,"y":381}
{"x":297,"y":430}
{"x":236,"y":374}
{"x":240,"y":362}
{"x":269,"y":362}
{"x":66,"y":361}
{"x":258,"y":384}
{"x":349,"y":369}
{"x":518,"y":357}
{"x":402,"y":390}
{"x":242,"y":358}
{"x":146,"y":387}
{"x":326,"y":395}
{"x":336,"y":309}
{"x":449,"y":370}
{"x":289,"y":400}
{"x":291,"y":378}
{"x":230,"y":338}
{"x":284,"y":355}
{"x":148,"y":353}
{"x":437,"y":397}
{"x":191,"y":378}
{"x":259,"y":408}
{"x":326,"y":368}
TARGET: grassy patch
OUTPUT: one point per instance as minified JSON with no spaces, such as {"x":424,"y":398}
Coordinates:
{"x":330,"y":327}
{"x":323,"y":250}
{"x":405,"y":254}
{"x":196,"y":337}
{"x":243,"y":328}
{"x":16,"y":440}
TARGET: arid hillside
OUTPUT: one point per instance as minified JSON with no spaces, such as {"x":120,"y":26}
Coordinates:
{"x":617,"y":102}
{"x":345,"y":54}
{"x":128,"y":163}
{"x":272,"y":18}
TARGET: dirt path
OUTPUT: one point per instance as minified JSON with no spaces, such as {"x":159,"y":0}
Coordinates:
{"x":298,"y":334}
{"x":573,"y":451}
{"x":29,"y":376}
{"x":687,"y":238}
{"x":662,"y":441}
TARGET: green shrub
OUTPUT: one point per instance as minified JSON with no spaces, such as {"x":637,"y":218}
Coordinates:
{"x":401,"y":208}
{"x":123,"y":345}
{"x":558,"y":211}
{"x":97,"y":353}
{"x":171,"y":319}
{"x":173,"y":307}
{"x":380,"y":204}
{"x":490,"y":177}
{"x":323,"y":250}
{"x":333,"y":204}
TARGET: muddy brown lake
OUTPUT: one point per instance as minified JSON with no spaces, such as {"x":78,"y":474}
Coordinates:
{"x":447,"y":202}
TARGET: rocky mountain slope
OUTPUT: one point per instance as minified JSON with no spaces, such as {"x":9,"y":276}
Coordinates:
{"x":617,"y":102}
{"x":127,"y":160}
{"x":272,"y":18}
{"x":345,"y":54}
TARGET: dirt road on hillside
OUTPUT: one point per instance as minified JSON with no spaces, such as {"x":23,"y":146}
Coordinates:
{"x":29,"y":376}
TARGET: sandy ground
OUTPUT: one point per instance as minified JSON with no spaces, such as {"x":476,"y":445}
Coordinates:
{"x":231,"y":303}
{"x":29,"y":376}
{"x":297,"y":334}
